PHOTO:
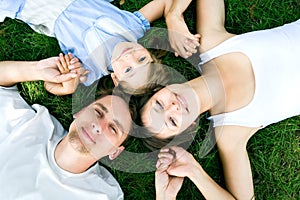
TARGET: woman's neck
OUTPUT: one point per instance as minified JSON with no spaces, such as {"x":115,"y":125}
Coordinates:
{"x":71,"y":160}
{"x":210,"y":91}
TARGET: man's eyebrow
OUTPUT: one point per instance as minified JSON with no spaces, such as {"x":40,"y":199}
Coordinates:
{"x":119,"y":125}
{"x":102,"y":107}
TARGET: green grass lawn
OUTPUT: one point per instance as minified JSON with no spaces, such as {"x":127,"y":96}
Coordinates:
{"x":274,"y":151}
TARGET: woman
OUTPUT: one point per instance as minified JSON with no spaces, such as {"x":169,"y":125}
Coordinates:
{"x":104,"y":38}
{"x":249,"y":81}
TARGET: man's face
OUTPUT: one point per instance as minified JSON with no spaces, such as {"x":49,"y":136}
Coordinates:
{"x":100,"y":128}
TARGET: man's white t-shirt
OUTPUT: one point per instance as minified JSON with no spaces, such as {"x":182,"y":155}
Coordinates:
{"x":28,"y":169}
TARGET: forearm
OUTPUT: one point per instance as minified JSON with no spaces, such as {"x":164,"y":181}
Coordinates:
{"x":156,"y":9}
{"x":13,"y":72}
{"x":238,"y":176}
{"x":207,"y":186}
{"x":163,"y":197}
{"x":210,"y":15}
{"x":178,"y":7}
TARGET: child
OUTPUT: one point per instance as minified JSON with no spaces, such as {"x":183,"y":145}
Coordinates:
{"x":102,"y":36}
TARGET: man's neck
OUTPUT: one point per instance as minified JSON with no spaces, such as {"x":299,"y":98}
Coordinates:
{"x":70,"y":160}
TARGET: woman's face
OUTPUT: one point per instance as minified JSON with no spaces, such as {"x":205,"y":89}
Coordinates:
{"x":171,"y":110}
{"x":127,"y":56}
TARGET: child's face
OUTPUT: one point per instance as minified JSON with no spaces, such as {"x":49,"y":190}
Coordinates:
{"x":127,"y":56}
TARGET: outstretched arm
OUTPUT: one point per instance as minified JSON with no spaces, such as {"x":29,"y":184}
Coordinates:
{"x":13,"y":72}
{"x":156,"y":9}
{"x":210,"y":23}
{"x":46,"y":70}
{"x":232,"y":142}
{"x":184,"y":165}
{"x":181,"y":40}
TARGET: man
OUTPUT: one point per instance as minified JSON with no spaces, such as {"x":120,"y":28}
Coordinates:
{"x":41,"y":160}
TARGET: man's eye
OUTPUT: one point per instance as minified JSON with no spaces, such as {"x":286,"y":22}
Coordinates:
{"x":99,"y":113}
{"x":173,"y":122}
{"x":113,"y":129}
{"x":128,"y":69}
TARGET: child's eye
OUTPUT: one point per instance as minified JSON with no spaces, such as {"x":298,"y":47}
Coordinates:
{"x":142,"y":59}
{"x":128,"y":69}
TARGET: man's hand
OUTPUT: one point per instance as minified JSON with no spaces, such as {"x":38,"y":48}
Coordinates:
{"x":67,"y":74}
{"x":181,"y":40}
{"x":49,"y":71}
{"x":166,"y":186}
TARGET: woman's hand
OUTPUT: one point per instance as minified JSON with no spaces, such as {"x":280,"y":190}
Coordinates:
{"x":182,"y":161}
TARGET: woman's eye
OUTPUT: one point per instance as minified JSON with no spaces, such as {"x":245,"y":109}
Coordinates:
{"x":173,"y":122}
{"x":160,"y":106}
{"x":128,"y":69}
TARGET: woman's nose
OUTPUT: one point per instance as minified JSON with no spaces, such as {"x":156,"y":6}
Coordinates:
{"x":174,"y":106}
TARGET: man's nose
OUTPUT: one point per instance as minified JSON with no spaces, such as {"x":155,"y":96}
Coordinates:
{"x":96,"y":129}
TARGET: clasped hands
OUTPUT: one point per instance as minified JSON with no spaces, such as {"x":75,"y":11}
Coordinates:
{"x":183,"y":42}
{"x":174,"y":163}
{"x":62,"y":74}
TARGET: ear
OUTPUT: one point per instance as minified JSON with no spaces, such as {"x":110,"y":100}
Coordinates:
{"x":114,"y":78}
{"x":117,"y":152}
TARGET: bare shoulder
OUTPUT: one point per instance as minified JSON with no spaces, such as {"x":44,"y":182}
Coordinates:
{"x":211,"y":39}
{"x":231,"y":135}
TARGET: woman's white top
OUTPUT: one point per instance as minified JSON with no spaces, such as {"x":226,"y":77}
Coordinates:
{"x":275,"y":59}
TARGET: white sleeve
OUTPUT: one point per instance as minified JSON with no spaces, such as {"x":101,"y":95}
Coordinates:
{"x":14,"y":111}
{"x":9,"y":8}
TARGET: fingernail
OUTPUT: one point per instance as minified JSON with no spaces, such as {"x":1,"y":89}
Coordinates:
{"x":72,"y":61}
{"x":157,"y":164}
{"x":82,"y":79}
{"x":71,"y":66}
{"x":74,"y":75}
{"x":164,"y":150}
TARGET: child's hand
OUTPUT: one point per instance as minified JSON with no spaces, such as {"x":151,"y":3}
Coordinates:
{"x":67,"y":65}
